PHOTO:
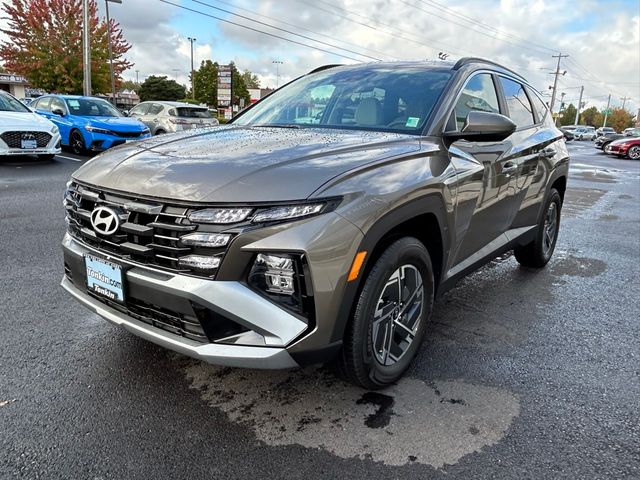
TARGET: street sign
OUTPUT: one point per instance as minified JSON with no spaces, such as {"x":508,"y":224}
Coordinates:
{"x":225,"y":94}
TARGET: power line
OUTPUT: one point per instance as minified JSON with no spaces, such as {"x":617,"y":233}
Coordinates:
{"x":244,"y":17}
{"x":259,"y":31}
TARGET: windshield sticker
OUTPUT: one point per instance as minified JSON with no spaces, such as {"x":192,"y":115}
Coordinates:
{"x":412,"y":122}
{"x":73,"y":103}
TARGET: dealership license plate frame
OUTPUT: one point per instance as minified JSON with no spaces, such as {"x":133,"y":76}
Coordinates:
{"x":28,"y":144}
{"x":112,"y":272}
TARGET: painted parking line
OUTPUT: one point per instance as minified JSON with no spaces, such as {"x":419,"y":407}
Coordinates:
{"x":70,"y":158}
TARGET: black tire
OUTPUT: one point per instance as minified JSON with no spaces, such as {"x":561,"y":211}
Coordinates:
{"x":537,"y":253}
{"x":357,"y":362}
{"x":634,"y":152}
{"x":76,"y":143}
{"x":160,"y":132}
{"x":46,"y":157}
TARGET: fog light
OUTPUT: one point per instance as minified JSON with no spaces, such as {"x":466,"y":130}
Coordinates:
{"x":199,"y":262}
{"x":205,"y":239}
{"x":276,"y":273}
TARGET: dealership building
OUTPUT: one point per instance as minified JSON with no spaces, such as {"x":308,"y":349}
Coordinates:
{"x":14,"y":84}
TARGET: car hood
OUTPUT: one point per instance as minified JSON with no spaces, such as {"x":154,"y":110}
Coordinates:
{"x":115,"y":123}
{"x":240,"y":164}
{"x":23,"y":120}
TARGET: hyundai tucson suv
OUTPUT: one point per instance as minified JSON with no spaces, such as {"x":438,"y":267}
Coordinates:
{"x":319,"y":226}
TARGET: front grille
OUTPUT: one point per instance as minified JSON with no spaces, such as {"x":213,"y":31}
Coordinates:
{"x":149,"y":233}
{"x":127,"y":134}
{"x":14,"y":139}
{"x":186,"y":326}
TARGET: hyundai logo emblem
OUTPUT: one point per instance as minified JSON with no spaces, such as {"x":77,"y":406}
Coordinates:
{"x":28,"y":136}
{"x":105,"y":220}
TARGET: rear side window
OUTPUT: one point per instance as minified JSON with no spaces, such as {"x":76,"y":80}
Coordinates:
{"x":478,"y":94}
{"x":155,"y":109}
{"x":539,"y":105}
{"x":520,"y":110}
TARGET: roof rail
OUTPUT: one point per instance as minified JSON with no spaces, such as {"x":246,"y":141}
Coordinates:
{"x":325,"y":67}
{"x":468,"y":60}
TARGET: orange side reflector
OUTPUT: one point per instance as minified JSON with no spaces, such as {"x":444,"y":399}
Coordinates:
{"x":356,"y":266}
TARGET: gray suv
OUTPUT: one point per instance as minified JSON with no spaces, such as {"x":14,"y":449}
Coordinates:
{"x":171,"y":117}
{"x":321,"y":224}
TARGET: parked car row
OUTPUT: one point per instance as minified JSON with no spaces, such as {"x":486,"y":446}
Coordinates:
{"x":622,"y":145}
{"x":88,"y":124}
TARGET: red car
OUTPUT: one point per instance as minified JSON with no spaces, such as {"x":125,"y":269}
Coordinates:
{"x":629,"y":147}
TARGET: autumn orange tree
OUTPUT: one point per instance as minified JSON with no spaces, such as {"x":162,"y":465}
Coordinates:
{"x":620,"y":119}
{"x":44,"y":44}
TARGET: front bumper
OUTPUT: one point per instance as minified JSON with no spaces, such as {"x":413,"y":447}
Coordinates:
{"x":616,"y":150}
{"x":99,"y":142}
{"x":52,"y":148}
{"x":230,"y":299}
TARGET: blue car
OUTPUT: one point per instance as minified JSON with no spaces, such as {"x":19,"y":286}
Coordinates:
{"x":89,"y":123}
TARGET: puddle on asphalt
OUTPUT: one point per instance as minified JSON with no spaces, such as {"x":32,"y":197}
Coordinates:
{"x":577,"y":200}
{"x":597,"y":174}
{"x":609,"y":218}
{"x":435,"y":424}
{"x":573,"y":266}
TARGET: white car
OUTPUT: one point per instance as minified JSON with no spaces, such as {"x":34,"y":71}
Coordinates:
{"x":24,"y":132}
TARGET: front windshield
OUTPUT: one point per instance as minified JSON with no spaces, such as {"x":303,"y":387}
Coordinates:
{"x":91,"y":107}
{"x":10,"y":104}
{"x":376,"y":97}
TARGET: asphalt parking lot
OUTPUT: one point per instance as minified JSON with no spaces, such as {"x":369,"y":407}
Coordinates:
{"x":523,"y":375}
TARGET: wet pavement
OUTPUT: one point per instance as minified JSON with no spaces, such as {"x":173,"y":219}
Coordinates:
{"x":529,"y":374}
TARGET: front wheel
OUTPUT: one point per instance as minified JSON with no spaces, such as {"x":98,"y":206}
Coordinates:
{"x":390,"y":318}
{"x":537,"y":253}
{"x":634,"y":153}
{"x":76,"y":143}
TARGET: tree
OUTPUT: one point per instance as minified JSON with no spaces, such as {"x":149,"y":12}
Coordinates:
{"x":591,"y":116}
{"x":161,"y":88}
{"x":206,"y":83}
{"x":568,"y":115}
{"x":44,"y":44}
{"x":250,"y":80}
{"x":620,"y":119}
{"x":238,"y":87}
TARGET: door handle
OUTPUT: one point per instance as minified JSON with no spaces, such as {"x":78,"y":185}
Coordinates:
{"x":547,"y":153}
{"x":509,"y":167}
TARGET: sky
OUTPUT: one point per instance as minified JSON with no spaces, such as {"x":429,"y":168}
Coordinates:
{"x":601,"y":37}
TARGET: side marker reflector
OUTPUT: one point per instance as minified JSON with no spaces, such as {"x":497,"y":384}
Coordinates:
{"x":356,"y":266}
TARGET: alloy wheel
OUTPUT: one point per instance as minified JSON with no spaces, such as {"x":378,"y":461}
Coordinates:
{"x":550,"y":228}
{"x":397,"y":315}
{"x":634,"y":153}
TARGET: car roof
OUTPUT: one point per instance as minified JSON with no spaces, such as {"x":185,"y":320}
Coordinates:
{"x":174,"y":104}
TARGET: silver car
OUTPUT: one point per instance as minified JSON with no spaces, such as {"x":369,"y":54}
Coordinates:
{"x":170,"y":117}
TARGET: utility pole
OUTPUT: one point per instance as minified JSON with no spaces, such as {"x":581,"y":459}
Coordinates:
{"x":555,"y":81}
{"x":579,"y":106}
{"x":137,"y":80}
{"x":86,"y":49}
{"x":113,"y":78}
{"x":193,"y":84}
{"x":624,"y":101}
{"x":606,"y":112}
{"x":561,"y":107}
{"x":277,"y":63}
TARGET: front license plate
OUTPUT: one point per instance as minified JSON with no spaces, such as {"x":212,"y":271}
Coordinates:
{"x":104,"y":278}
{"x":28,"y":144}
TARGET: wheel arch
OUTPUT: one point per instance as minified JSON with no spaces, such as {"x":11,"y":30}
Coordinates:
{"x":424,"y":219}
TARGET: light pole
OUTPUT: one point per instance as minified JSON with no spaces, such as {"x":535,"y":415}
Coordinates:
{"x":113,"y":78}
{"x":193,"y":84}
{"x":86,"y":49}
{"x":277,"y":63}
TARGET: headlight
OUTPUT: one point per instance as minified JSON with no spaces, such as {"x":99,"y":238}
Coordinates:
{"x":89,"y":128}
{"x":205,"y":239}
{"x":219,"y":215}
{"x":55,"y":129}
{"x":285,"y":213}
{"x":145,"y":131}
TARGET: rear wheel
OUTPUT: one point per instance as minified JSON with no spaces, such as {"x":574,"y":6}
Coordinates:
{"x":634,"y":153}
{"x":390,"y":318}
{"x":537,"y":253}
{"x":76,"y":143}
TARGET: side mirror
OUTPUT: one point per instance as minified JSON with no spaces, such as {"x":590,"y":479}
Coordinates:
{"x":483,"y":127}
{"x":125,"y":113}
{"x":58,"y":111}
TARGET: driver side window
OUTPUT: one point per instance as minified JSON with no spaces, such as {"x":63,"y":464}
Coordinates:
{"x":478,"y":94}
